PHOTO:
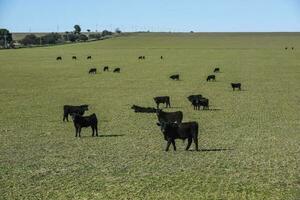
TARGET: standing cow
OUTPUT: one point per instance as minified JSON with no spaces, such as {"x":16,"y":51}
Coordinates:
{"x":162,"y":99}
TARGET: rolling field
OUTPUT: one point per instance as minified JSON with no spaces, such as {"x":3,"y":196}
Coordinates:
{"x":249,"y":139}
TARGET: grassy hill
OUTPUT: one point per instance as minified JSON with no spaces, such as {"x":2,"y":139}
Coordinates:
{"x":249,"y":139}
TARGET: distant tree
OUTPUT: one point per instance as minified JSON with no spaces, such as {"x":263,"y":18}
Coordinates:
{"x":106,"y":33}
{"x":51,"y":38}
{"x":88,"y":30}
{"x":77,"y":29}
{"x":71,"y":37}
{"x":30,"y":39}
{"x":118,"y":31}
{"x":83,"y":37}
{"x":5,"y":38}
{"x":95,"y":36}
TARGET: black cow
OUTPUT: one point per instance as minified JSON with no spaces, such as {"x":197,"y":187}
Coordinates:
{"x":236,"y":85}
{"x":68,"y":110}
{"x":117,"y":70}
{"x":93,"y":71}
{"x":183,"y":131}
{"x":161,"y":57}
{"x":59,"y":58}
{"x":80,"y":122}
{"x":217,"y":70}
{"x":169,"y":116}
{"x":89,"y":57}
{"x":211,"y":77}
{"x":175,"y":77}
{"x":204,"y":102}
{"x":162,"y":99}
{"x":105,"y":68}
{"x":74,"y":57}
{"x":141,"y":57}
{"x":143,"y":109}
{"x":286,"y":48}
{"x":292,"y":48}
{"x":194,"y":98}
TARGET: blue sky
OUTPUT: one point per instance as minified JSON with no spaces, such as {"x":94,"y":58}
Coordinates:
{"x":153,"y":15}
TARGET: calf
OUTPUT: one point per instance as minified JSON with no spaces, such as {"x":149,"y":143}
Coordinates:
{"x":117,"y":70}
{"x":183,"y":131}
{"x":175,"y":77}
{"x":74,"y":57}
{"x":236,"y":85}
{"x":143,"y":109}
{"x":68,"y":110}
{"x":80,"y":122}
{"x":211,"y":77}
{"x":169,"y":116}
{"x":89,"y":57}
{"x":93,"y":71}
{"x":105,"y":68}
{"x":59,"y":58}
{"x":162,"y":99}
{"x":216,"y":70}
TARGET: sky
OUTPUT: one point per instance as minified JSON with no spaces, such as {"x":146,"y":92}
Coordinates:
{"x":152,"y":15}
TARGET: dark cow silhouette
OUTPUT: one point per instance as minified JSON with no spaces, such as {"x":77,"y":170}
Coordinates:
{"x":161,"y":57}
{"x":286,"y":48}
{"x":204,"y":102}
{"x":105,"y":68}
{"x":162,"y":99}
{"x":87,"y":121}
{"x":169,"y":116}
{"x":216,"y":70}
{"x":93,"y":71}
{"x":117,"y":70}
{"x":236,"y":85}
{"x":59,"y":58}
{"x":141,"y":57}
{"x":74,"y":57}
{"x":211,"y":77}
{"x":68,"y":110}
{"x":292,"y":48}
{"x":175,"y":77}
{"x":183,"y":131}
{"x":144,"y":109}
{"x":194,"y":99}
{"x":89,"y":57}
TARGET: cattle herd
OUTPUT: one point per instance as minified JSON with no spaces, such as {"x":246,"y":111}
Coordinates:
{"x":170,"y":123}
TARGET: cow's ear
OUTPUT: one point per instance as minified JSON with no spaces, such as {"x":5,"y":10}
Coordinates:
{"x":158,"y":124}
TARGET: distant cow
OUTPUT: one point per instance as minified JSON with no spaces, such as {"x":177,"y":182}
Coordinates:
{"x":89,"y":57}
{"x":211,"y":77}
{"x":292,"y":48}
{"x":141,"y":57}
{"x":68,"y":110}
{"x":87,"y":121}
{"x":105,"y":68}
{"x":183,"y":131}
{"x":59,"y":58}
{"x":204,"y":102}
{"x":117,"y":70}
{"x":169,"y":116}
{"x":286,"y":48}
{"x":140,"y":109}
{"x":216,"y":70}
{"x":161,"y":57}
{"x":236,"y":85}
{"x":93,"y":71}
{"x":74,"y":57}
{"x":193,"y":99}
{"x":175,"y":77}
{"x":162,"y":99}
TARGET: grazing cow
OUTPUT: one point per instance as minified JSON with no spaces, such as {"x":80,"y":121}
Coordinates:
{"x":193,"y":99}
{"x":93,"y":71}
{"x":74,"y":57}
{"x":81,"y":121}
{"x":161,"y":57}
{"x":216,"y":70}
{"x":204,"y":102}
{"x":236,"y":85}
{"x":169,"y":116}
{"x":68,"y":110}
{"x":59,"y":58}
{"x":175,"y":77}
{"x":143,"y":109}
{"x":162,"y":99}
{"x":183,"y":131}
{"x":141,"y":57}
{"x":211,"y":77}
{"x":89,"y":57}
{"x":105,"y":68}
{"x":117,"y":70}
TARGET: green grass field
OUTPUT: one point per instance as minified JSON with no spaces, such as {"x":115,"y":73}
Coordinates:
{"x":257,"y":128}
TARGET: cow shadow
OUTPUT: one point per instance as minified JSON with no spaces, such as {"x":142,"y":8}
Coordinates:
{"x":213,"y":150}
{"x":212,"y":109}
{"x":100,"y":136}
{"x":113,"y":135}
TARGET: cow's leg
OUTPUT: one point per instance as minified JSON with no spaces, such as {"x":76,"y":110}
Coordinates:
{"x":93,"y":129}
{"x":79,"y":131}
{"x":196,"y":143}
{"x":189,"y":144}
{"x":96,"y":128}
{"x":168,"y":144}
{"x":76,"y":131}
{"x":174,"y":146}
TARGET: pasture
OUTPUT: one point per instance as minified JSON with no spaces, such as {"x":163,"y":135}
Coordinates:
{"x":249,"y":139}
